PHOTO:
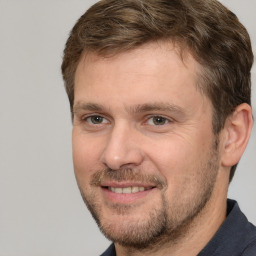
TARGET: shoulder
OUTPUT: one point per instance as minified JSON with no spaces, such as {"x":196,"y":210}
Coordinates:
{"x":250,"y":249}
{"x":244,"y":230}
{"x":236,"y":236}
{"x":110,"y":251}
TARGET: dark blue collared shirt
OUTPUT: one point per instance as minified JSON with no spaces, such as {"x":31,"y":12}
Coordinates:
{"x":235,"y":237}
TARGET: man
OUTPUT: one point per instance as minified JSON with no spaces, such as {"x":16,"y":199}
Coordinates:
{"x":160,"y":98}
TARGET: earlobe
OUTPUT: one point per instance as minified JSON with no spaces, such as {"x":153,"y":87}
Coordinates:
{"x":237,"y":130}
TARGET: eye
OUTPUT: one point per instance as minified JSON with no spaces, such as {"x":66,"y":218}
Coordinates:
{"x":94,"y":120}
{"x":157,"y":120}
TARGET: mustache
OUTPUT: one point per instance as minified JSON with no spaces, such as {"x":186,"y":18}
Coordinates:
{"x":127,"y":174}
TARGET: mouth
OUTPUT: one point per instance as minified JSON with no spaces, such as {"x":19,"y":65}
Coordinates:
{"x":127,"y":190}
{"x":124,"y":193}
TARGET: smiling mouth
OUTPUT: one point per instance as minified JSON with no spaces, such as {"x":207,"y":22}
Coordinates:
{"x":128,"y":190}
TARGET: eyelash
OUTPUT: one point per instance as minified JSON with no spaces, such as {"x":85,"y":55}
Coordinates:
{"x":147,"y":122}
{"x":85,"y":119}
{"x":161,"y":118}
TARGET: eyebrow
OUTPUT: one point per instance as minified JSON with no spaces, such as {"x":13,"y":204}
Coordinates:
{"x":136,"y":109}
{"x":148,"y":107}
{"x":87,"y":107}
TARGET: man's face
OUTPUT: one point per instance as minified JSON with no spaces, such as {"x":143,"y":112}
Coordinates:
{"x":145,"y":157}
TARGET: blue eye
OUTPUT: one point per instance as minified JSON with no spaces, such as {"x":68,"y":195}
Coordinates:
{"x":157,"y":120}
{"x":96,"y":120}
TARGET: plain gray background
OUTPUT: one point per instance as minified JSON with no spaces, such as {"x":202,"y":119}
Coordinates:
{"x":41,"y":212}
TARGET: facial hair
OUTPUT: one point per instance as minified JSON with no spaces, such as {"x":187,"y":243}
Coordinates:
{"x":166,"y":221}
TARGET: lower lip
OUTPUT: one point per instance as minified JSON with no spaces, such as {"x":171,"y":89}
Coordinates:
{"x":126,"y":198}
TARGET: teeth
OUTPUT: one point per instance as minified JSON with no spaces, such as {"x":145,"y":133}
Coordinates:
{"x":127,"y":190}
{"x":136,"y":189}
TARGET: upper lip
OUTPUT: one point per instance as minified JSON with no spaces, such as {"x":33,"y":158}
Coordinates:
{"x":125,"y":184}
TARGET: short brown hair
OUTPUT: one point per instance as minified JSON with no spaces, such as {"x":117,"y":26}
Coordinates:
{"x":211,"y":32}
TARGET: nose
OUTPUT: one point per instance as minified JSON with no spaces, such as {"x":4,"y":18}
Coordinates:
{"x":122,"y":148}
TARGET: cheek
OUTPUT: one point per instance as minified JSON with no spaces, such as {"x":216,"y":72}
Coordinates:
{"x":178,"y":161}
{"x":86,"y":155}
{"x":171,"y":155}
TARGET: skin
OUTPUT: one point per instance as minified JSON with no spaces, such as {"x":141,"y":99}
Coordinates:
{"x":140,"y":114}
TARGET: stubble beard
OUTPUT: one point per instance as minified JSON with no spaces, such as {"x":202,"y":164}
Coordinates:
{"x":166,"y":222}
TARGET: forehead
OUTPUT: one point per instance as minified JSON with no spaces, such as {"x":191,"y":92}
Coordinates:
{"x":157,"y":50}
{"x":151,"y":70}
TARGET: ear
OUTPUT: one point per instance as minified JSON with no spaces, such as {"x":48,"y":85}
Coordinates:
{"x":237,"y":132}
